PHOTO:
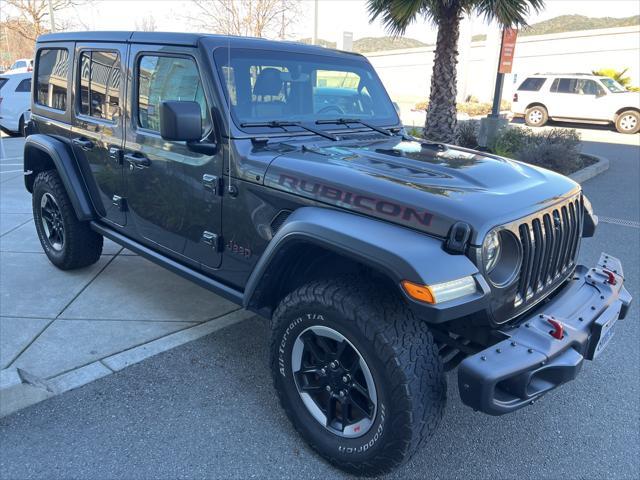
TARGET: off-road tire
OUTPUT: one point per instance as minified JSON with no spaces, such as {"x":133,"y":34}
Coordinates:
{"x":536,"y":116}
{"x":82,"y":246}
{"x":625,"y":122}
{"x":398,"y":349}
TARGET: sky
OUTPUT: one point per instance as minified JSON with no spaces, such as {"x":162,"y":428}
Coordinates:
{"x":335,"y":16}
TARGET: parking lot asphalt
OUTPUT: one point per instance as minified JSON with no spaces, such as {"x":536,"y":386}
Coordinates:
{"x":207,"y":408}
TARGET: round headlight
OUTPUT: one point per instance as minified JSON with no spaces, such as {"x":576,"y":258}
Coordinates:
{"x":491,"y":250}
{"x":501,"y":256}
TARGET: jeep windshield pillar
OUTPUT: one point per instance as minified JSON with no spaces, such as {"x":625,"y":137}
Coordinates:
{"x":279,"y":176}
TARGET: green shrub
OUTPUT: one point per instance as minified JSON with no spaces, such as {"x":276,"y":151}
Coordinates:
{"x":472,"y":107}
{"x":415,"y":132}
{"x":509,"y":141}
{"x":467,"y":133}
{"x":555,"y":149}
{"x":421,"y":105}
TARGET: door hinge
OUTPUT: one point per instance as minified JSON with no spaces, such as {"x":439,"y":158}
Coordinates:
{"x":117,"y":155}
{"x":120,"y":203}
{"x":213,"y":183}
{"x":213,"y":240}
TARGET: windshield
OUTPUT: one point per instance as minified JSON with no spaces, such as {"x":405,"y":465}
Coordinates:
{"x":266,"y":85}
{"x":612,"y":85}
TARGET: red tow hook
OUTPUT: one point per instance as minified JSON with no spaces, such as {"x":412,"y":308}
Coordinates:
{"x":611,"y":278}
{"x":558,"y":328}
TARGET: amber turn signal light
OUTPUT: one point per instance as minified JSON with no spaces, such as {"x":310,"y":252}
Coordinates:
{"x":422,"y":293}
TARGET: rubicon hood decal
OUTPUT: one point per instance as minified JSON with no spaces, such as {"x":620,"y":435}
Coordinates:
{"x":419,"y":186}
{"x":362,"y":202}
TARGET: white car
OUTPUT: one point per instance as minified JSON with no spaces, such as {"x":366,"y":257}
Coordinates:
{"x":580,"y":98}
{"x":15,"y":101}
{"x":22,"y":65}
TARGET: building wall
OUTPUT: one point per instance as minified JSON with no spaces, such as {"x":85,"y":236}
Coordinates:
{"x":407,"y":73}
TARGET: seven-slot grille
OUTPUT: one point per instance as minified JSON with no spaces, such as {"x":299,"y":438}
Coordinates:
{"x":550,"y":242}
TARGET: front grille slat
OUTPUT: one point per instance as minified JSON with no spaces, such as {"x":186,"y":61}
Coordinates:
{"x":540,"y":246}
{"x":548,"y":235}
{"x":567,"y":237}
{"x":557,"y":253}
{"x":549,"y":242}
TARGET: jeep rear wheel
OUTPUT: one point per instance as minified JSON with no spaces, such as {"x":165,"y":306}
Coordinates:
{"x":628,"y":122}
{"x":68,"y":243}
{"x":359,"y":377}
{"x":536,"y":116}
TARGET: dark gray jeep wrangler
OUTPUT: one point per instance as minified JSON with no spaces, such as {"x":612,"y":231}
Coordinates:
{"x":279,"y":176}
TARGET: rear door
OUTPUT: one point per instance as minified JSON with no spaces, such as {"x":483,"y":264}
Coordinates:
{"x":171,"y":190}
{"x":97,"y":134}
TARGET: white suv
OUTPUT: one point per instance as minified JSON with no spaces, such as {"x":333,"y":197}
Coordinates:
{"x":577,"y":98}
{"x":15,"y":101}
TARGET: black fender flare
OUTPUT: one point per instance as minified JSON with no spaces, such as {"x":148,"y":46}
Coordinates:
{"x":38,"y":149}
{"x":395,"y":251}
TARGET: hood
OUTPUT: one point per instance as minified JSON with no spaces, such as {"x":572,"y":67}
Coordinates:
{"x":418,"y":185}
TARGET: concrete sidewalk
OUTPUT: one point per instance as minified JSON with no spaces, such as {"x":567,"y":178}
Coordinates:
{"x":60,"y":330}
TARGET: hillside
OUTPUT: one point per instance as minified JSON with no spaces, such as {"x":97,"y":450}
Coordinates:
{"x":563,"y":23}
{"x":376,"y":44}
{"x":373,"y":44}
{"x":571,"y":23}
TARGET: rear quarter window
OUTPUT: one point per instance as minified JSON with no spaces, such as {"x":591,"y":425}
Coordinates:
{"x":52,"y":78}
{"x":3,"y":81}
{"x":532,"y":84}
{"x":24,"y":86}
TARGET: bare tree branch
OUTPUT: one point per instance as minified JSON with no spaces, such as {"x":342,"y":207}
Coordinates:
{"x":255,"y":18}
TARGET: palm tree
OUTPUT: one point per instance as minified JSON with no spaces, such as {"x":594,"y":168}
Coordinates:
{"x":397,"y":15}
{"x":617,"y":75}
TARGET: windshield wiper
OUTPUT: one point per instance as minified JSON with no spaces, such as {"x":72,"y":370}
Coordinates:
{"x":279,"y":124}
{"x":347,"y":121}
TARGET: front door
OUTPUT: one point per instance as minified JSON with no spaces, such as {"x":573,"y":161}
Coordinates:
{"x":172,"y":201}
{"x":97,"y":134}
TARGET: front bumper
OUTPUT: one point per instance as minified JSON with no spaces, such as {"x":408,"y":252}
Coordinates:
{"x":529,"y":362}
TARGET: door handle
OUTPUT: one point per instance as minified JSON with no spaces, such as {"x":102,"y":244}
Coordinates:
{"x":83,"y":143}
{"x":137,"y":160}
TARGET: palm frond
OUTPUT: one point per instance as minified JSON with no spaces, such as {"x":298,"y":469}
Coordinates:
{"x":396,"y":15}
{"x":508,"y":13}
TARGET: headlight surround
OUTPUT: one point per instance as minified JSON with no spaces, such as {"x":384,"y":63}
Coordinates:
{"x":501,"y":257}
{"x":491,"y":250}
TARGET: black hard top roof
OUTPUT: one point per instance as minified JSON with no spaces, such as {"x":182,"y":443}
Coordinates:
{"x":186,"y":39}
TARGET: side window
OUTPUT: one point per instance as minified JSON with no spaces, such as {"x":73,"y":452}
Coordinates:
{"x":532,"y":84}
{"x":588,"y":87}
{"x":51,"y":78}
{"x":167,"y":78}
{"x":568,"y":85}
{"x":99,"y":84}
{"x":24,"y":86}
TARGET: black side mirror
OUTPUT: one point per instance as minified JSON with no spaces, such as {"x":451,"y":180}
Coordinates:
{"x":180,"y":121}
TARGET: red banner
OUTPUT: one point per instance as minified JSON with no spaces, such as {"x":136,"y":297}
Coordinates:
{"x":508,"y":50}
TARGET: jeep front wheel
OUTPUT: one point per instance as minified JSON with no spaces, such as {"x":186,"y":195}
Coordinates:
{"x":68,"y":242}
{"x":359,"y":377}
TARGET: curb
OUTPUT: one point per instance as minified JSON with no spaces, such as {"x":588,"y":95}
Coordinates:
{"x":586,"y":173}
{"x":19,"y":389}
